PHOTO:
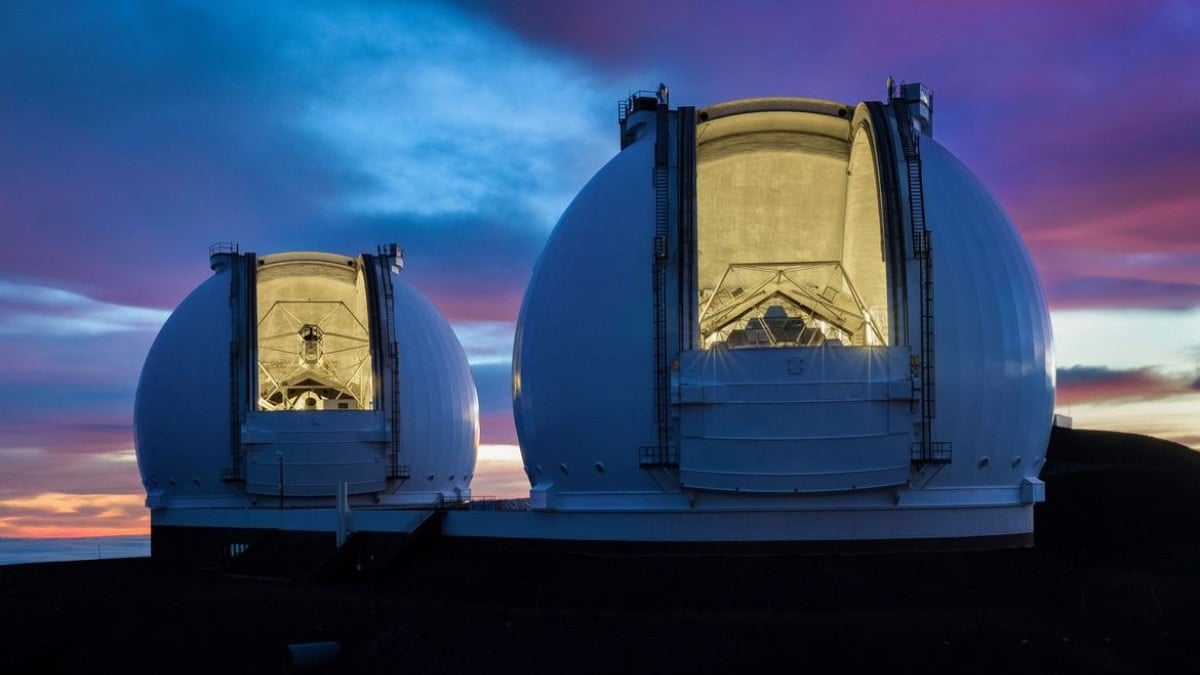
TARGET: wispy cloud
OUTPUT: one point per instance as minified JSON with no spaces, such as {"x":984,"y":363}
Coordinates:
{"x":39,"y":311}
{"x":1085,"y":290}
{"x":1128,"y":338}
{"x":29,"y":471}
{"x":1079,"y":384}
{"x":448,"y":114}
{"x":486,"y":342}
{"x":279,"y":125}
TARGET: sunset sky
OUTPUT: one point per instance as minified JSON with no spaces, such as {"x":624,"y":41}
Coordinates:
{"x":134,"y":134}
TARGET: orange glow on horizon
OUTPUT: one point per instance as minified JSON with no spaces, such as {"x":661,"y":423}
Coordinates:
{"x":61,"y":514}
{"x":73,"y":531}
{"x":1170,"y":418}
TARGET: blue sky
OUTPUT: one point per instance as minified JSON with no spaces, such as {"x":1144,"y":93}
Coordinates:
{"x":137,"y":133}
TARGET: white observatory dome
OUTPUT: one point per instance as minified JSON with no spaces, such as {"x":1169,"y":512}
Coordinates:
{"x":283,"y":377}
{"x":812,"y":309}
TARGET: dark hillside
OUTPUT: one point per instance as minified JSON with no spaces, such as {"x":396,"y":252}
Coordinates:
{"x":1121,"y":499}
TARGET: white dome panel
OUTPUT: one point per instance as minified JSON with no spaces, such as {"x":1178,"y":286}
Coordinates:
{"x":439,"y":407}
{"x":582,"y":362}
{"x":994,"y":349}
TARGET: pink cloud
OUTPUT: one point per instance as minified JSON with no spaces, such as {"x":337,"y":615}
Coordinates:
{"x":481,"y":304}
{"x":1080,"y":384}
{"x":497,"y":427}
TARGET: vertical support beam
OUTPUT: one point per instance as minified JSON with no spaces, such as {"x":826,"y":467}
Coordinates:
{"x":389,"y":322}
{"x":236,"y":312}
{"x":243,"y":366}
{"x":343,"y":512}
{"x":893,"y":233}
{"x":685,"y":171}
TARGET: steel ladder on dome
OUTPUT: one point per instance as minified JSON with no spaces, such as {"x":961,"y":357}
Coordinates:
{"x":926,"y":450}
{"x":661,"y":454}
{"x":243,"y":312}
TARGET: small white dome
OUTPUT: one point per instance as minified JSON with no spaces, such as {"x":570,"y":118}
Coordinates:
{"x":277,"y":377}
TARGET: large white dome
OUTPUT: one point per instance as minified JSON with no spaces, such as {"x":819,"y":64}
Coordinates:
{"x":787,"y":304}
{"x":275,"y":381}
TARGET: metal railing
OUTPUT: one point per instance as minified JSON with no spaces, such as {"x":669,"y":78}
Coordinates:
{"x":223,"y":247}
{"x":630,"y":105}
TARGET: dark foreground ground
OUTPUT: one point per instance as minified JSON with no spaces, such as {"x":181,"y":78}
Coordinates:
{"x":1113,"y":586}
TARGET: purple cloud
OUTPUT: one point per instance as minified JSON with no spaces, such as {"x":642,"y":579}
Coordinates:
{"x":1080,"y":384}
{"x":1085,"y":291}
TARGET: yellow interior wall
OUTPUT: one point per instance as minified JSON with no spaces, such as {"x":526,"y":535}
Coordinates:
{"x":790,"y":187}
{"x":326,"y":294}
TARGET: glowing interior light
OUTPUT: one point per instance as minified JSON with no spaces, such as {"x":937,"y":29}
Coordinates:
{"x":788,"y":232}
{"x":314,"y":346}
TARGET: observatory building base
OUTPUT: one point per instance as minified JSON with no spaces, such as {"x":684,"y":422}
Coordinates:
{"x":215,"y":537}
{"x":895,"y":529}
